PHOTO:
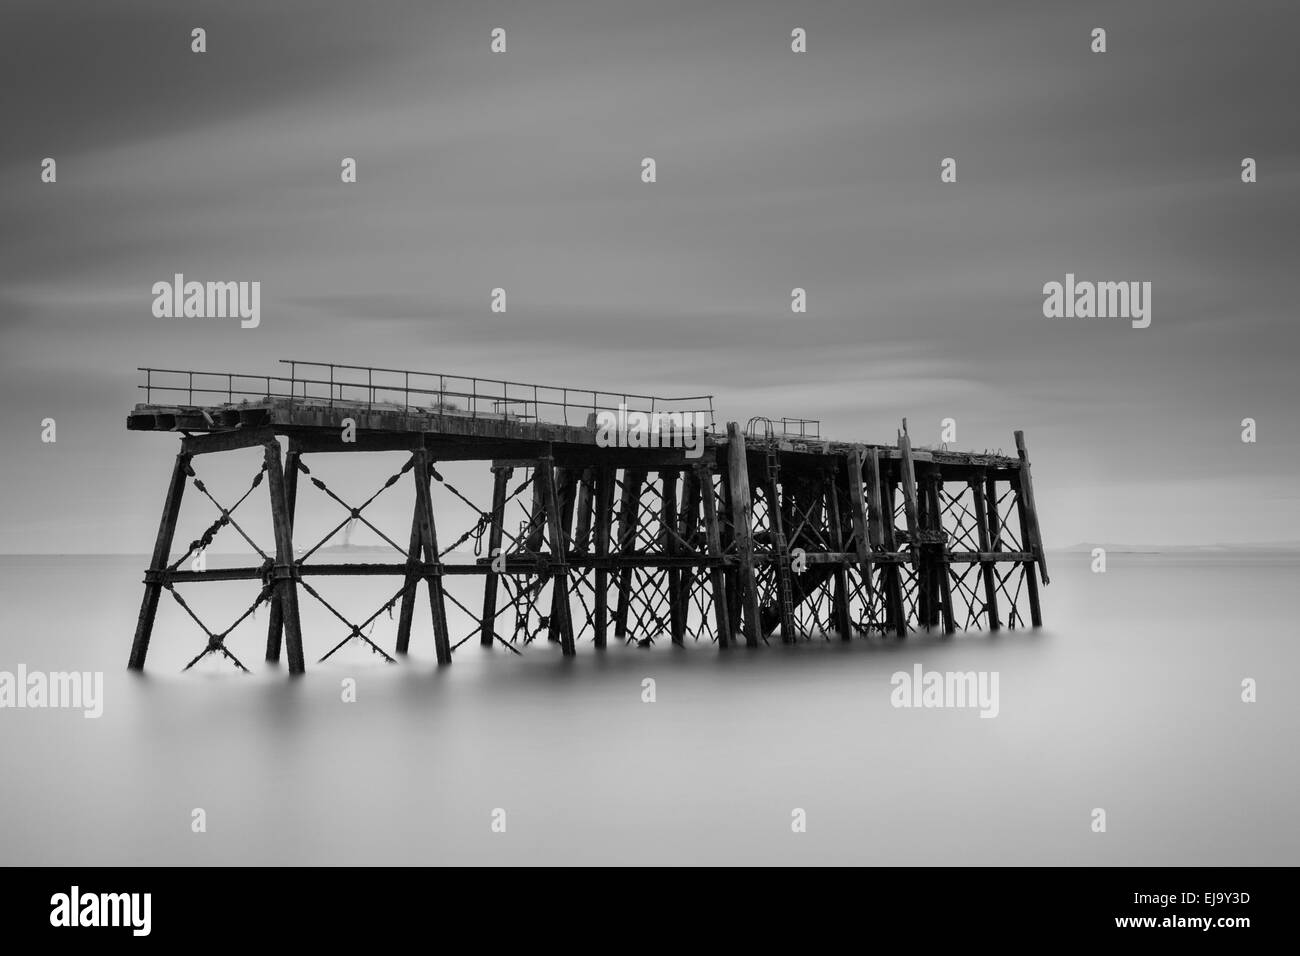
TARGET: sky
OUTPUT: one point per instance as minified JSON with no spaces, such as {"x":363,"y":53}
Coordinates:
{"x":775,"y":170}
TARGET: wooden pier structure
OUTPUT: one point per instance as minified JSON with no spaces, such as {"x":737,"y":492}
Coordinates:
{"x":758,"y":532}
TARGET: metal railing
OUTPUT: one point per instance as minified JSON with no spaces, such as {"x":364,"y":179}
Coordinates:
{"x":805,"y":428}
{"x":810,"y":428}
{"x":429,"y":393}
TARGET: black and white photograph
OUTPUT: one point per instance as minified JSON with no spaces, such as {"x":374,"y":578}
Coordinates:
{"x":643,"y":434}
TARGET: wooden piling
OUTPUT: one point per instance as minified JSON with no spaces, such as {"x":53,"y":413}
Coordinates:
{"x":628,"y":517}
{"x":414,"y":551}
{"x":978,"y":488}
{"x":286,"y":584}
{"x":429,"y":540}
{"x":685,"y":544}
{"x":1029,"y":567}
{"x":275,"y":625}
{"x":491,"y":581}
{"x":559,"y":548}
{"x":840,"y":596}
{"x":881,"y":524}
{"x":158,"y":562}
{"x":939,"y":554}
{"x":717,"y":577}
{"x":742,"y":510}
{"x":604,"y":512}
{"x":1031,"y":529}
{"x":566,"y":481}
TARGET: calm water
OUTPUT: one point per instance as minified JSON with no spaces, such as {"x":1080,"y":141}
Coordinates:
{"x":1129,"y":700}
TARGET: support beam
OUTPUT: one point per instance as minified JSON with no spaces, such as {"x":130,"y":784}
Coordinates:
{"x":536,"y":518}
{"x":285,"y":572}
{"x":668,"y":546}
{"x":742,"y":511}
{"x":487,"y":624}
{"x":275,"y":626}
{"x":582,"y":527}
{"x":880,"y":533}
{"x":566,"y":481}
{"x":939,"y":554}
{"x":559,"y":549}
{"x":776,"y":509}
{"x":717,"y":576}
{"x":629,"y":513}
{"x":688,"y":531}
{"x":604,"y":514}
{"x":978,"y":489}
{"x":1030,"y":569}
{"x":860,"y":498}
{"x":907,"y":478}
{"x":1031,"y":529}
{"x":158,"y":562}
{"x":429,"y":543}
{"x":414,"y":557}
{"x":840,"y":599}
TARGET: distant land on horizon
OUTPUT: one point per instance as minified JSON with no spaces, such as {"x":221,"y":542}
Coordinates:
{"x":1260,"y":547}
{"x":1239,"y":548}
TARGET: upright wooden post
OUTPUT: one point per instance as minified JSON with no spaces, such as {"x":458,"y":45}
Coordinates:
{"x":566,"y":481}
{"x":414,"y":550}
{"x":1030,"y":571}
{"x":859,"y":515}
{"x":158,"y":562}
{"x":987,"y":571}
{"x":536,"y":520}
{"x":275,"y":625}
{"x":500,"y":481}
{"x":830,"y":489}
{"x":559,"y":548}
{"x":285,"y":571}
{"x":742,"y":510}
{"x":628,"y":518}
{"x":907,"y":478}
{"x":688,"y":522}
{"x":582,"y":526}
{"x":604,"y":511}
{"x":429,"y":540}
{"x":880,"y":533}
{"x":777,"y":506}
{"x":717,"y":577}
{"x":668,"y":548}
{"x":926,"y":612}
{"x":1032,"y":531}
{"x":731,"y":573}
{"x":939,"y":553}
